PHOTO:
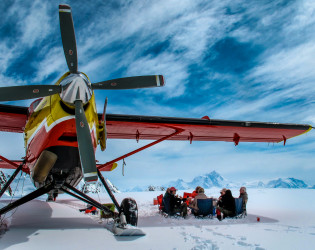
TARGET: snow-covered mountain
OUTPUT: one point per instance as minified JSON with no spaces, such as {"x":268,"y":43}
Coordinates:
{"x":209,"y":180}
{"x":286,"y":183}
{"x":212,"y":179}
{"x":179,"y":184}
{"x":278,"y":183}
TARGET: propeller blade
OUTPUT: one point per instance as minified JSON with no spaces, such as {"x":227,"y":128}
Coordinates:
{"x":86,"y":150}
{"x":16,"y":93}
{"x":135,"y":82}
{"x":68,"y":37}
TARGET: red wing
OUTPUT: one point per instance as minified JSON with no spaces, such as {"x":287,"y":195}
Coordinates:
{"x":12,"y":118}
{"x":154,"y":128}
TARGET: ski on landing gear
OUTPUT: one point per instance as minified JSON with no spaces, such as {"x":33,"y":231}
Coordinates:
{"x":126,"y":225}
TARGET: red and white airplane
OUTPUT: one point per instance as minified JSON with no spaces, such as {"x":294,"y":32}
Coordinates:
{"x":62,"y":130}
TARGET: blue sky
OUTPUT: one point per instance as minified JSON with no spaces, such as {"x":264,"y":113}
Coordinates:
{"x":234,"y":60}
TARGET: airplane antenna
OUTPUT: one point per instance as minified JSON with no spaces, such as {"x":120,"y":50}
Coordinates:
{"x":123,"y":167}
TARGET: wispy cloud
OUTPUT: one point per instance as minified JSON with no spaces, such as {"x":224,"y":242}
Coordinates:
{"x":225,"y":59}
{"x":36,"y":25}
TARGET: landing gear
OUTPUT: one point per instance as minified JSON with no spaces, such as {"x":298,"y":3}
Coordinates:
{"x":128,"y":219}
{"x":130,"y":209}
{"x":52,"y":196}
{"x":125,"y":220}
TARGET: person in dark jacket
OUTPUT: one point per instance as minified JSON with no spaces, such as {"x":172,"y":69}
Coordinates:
{"x":226,"y":206}
{"x":173,"y":204}
{"x":222,"y":192}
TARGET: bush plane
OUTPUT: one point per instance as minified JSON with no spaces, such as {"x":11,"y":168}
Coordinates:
{"x":62,"y":130}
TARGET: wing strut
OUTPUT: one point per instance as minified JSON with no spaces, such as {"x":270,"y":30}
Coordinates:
{"x":8,"y":161}
{"x":110,"y":193}
{"x":15,"y":166}
{"x":178,"y":131}
{"x":8,"y":183}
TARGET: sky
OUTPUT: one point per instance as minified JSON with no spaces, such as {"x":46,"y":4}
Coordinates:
{"x":232,"y":60}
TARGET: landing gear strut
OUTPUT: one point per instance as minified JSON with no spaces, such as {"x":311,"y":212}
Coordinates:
{"x":124,"y":221}
{"x":6,"y":186}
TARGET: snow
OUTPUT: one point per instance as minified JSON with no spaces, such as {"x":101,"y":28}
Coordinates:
{"x":287,"y":221}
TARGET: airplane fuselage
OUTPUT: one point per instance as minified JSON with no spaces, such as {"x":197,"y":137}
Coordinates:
{"x":51,"y":127}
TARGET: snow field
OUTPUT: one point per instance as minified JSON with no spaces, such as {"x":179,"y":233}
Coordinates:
{"x":287,"y":221}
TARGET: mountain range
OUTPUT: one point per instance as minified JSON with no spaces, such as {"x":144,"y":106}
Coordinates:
{"x":210,"y":180}
{"x":214,"y":179}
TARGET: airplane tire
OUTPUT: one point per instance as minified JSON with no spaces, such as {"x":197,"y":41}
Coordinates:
{"x":130,"y":209}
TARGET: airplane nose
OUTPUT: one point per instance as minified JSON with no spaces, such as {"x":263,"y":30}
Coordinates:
{"x":75,"y":87}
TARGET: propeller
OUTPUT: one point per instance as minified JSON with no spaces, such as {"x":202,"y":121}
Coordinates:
{"x":134,"y":82}
{"x":16,"y":93}
{"x":86,"y":150}
{"x":76,"y":90}
{"x":68,"y":37}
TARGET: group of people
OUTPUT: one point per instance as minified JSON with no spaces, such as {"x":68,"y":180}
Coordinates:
{"x":225,"y":204}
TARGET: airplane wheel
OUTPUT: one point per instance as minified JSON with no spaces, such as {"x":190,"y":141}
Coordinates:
{"x":130,"y":209}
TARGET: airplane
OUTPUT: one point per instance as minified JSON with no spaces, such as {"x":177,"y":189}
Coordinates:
{"x":62,"y":130}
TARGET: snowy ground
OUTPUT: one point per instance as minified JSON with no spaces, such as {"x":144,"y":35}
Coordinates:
{"x":287,"y":221}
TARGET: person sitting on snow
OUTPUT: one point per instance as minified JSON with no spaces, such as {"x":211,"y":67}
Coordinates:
{"x":219,"y":200}
{"x":226,"y":205}
{"x":173,"y":204}
{"x":195,"y":192}
{"x":244,"y":196}
{"x":194,"y":203}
